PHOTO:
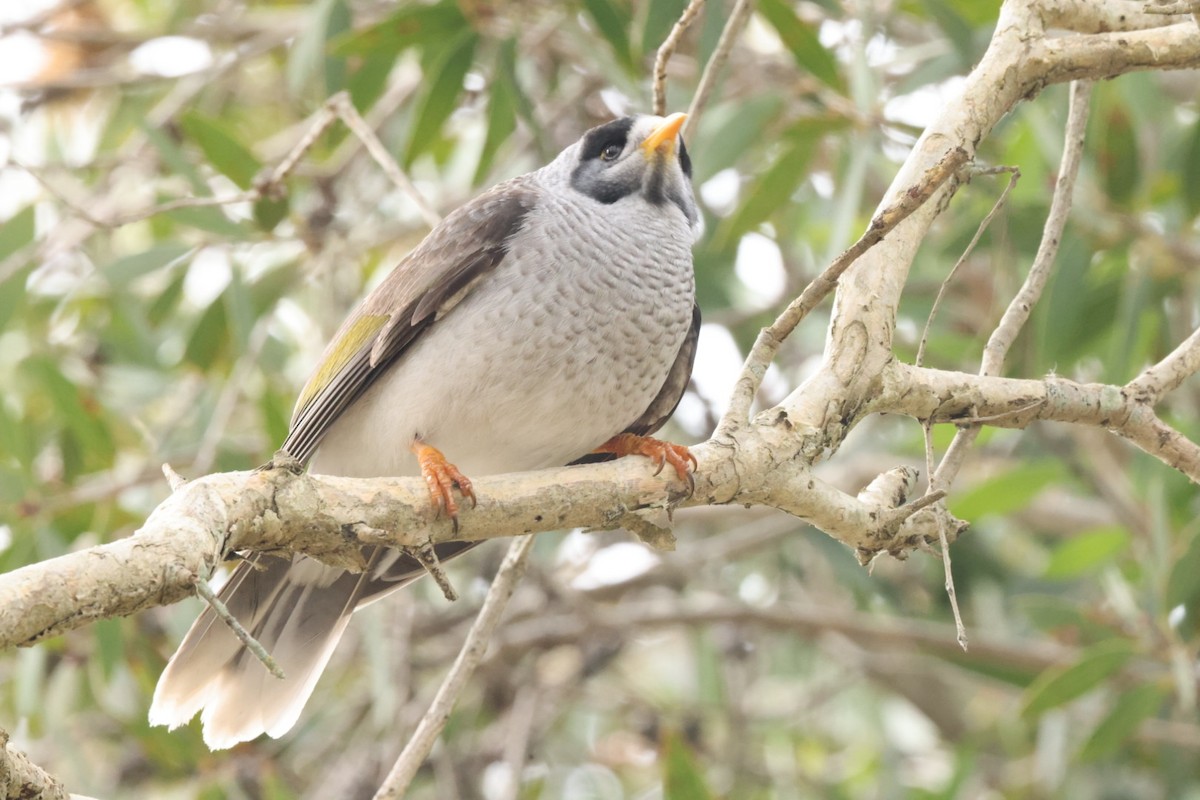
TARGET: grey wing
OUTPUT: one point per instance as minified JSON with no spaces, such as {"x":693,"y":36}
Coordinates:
{"x":426,"y":285}
{"x":667,"y":400}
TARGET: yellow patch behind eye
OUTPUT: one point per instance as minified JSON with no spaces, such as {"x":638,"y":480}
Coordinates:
{"x":348,"y":343}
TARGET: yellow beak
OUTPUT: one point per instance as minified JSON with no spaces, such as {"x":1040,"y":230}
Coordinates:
{"x":662,"y":139}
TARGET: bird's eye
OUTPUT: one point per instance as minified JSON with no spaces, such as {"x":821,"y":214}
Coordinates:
{"x":610,"y":152}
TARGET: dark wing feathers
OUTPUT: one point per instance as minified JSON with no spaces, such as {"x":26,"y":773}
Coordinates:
{"x":456,"y":255}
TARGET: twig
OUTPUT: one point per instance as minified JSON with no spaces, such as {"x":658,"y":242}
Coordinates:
{"x":174,"y":479}
{"x":434,"y":720}
{"x":268,"y":185}
{"x":960,"y":630}
{"x":1166,"y":376}
{"x":1011,"y":324}
{"x":1013,"y":177}
{"x":516,"y":743}
{"x":427,"y":557}
{"x":771,"y":338}
{"x":252,"y":644}
{"x":353,"y":120}
{"x":59,"y":196}
{"x":666,"y":50}
{"x":1018,"y":311}
{"x":733,"y":26}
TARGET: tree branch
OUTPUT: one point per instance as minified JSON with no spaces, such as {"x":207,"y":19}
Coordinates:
{"x":21,"y":779}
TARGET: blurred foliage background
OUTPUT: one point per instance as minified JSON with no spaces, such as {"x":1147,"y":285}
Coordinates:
{"x":758,"y":661}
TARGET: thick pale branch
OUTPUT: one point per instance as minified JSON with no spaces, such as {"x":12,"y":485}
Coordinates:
{"x":331,"y":518}
{"x":1105,"y":55}
{"x":961,"y":398}
{"x":1089,"y":16}
{"x":21,"y":778}
{"x":1019,"y":62}
{"x":771,"y":338}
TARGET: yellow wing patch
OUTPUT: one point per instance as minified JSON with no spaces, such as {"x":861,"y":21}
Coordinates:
{"x":343,"y":348}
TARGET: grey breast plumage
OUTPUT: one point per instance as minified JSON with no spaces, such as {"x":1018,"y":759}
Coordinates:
{"x":545,"y":316}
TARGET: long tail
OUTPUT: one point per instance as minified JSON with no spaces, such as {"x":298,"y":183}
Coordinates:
{"x":298,"y":611}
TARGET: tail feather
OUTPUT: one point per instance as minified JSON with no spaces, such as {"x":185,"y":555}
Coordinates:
{"x":298,"y":611}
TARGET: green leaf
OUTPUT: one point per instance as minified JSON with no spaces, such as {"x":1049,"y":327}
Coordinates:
{"x":16,"y":232}
{"x":801,"y":39}
{"x":239,"y":309}
{"x":1191,"y":168}
{"x":210,"y":336}
{"x":369,"y":79}
{"x":956,"y":29}
{"x":409,"y":25}
{"x":311,"y":71}
{"x":1086,"y":551}
{"x":268,"y":213}
{"x":775,"y":187}
{"x":1118,"y":157}
{"x":174,"y":159}
{"x":502,"y":107}
{"x":207,"y":218}
{"x":612,"y":20}
{"x":1183,"y":590}
{"x":275,"y":416}
{"x":732,"y":129}
{"x":12,"y":293}
{"x":682,"y":776}
{"x":227,"y":155}
{"x":1058,"y":685}
{"x":1007,"y":492}
{"x":16,"y":441}
{"x":1182,"y":586}
{"x":124,"y":270}
{"x":88,"y":439}
{"x":1132,"y":707}
{"x":110,"y":645}
{"x":660,"y":18}
{"x":164,"y":306}
{"x":445,"y":82}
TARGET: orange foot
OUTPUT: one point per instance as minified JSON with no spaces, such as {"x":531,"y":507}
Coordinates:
{"x":662,"y":453}
{"x":442,"y":478}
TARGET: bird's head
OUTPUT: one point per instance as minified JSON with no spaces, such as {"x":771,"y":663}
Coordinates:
{"x":634,"y":157}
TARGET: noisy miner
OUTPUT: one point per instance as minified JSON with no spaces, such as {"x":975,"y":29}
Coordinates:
{"x":550,"y":318}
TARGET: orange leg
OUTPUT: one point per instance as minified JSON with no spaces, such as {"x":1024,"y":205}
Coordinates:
{"x":660,"y":452}
{"x":442,"y":478}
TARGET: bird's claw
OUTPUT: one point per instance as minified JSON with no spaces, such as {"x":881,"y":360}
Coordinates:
{"x":442,"y":478}
{"x":661,"y":453}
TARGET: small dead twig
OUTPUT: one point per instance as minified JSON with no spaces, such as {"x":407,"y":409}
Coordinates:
{"x":269,"y":184}
{"x":243,"y":635}
{"x":434,"y":720}
{"x":1013,"y":177}
{"x":428,"y":559}
{"x":733,"y":27}
{"x":666,"y":50}
{"x":1018,"y":311}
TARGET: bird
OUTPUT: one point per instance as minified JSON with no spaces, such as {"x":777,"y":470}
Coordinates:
{"x":550,"y":320}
